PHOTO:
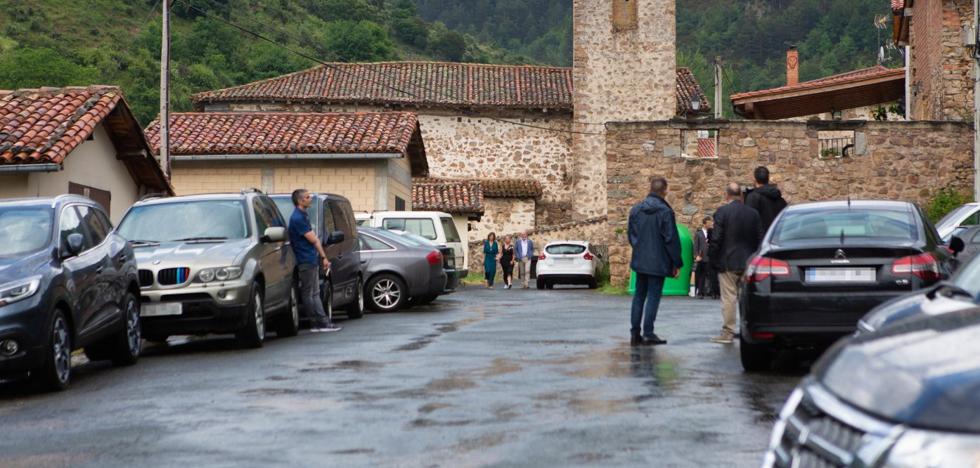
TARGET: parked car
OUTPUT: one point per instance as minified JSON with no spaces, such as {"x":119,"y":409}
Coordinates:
{"x":567,"y":262}
{"x":962,"y":291}
{"x":435,"y":226}
{"x":213,"y":263}
{"x":398,"y":270}
{"x":448,"y":259}
{"x":970,"y":237}
{"x":904,"y":396}
{"x":823,"y":265}
{"x":332,"y":219}
{"x":964,"y":215}
{"x":67,"y":281}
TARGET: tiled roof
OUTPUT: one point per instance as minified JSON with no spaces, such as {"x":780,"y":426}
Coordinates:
{"x":45,"y":125}
{"x":215,"y":133}
{"x":456,"y":197}
{"x":427,"y":84}
{"x":851,"y":77}
{"x":688,"y":90}
{"x":495,"y":188}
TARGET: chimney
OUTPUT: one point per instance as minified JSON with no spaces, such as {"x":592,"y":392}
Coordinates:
{"x":792,"y":66}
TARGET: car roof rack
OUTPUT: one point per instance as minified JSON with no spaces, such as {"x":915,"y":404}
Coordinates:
{"x":251,"y":190}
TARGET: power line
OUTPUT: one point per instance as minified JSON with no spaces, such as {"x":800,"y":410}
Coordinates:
{"x":385,"y":85}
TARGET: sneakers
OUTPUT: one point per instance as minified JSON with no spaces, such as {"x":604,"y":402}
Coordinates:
{"x":329,"y":328}
{"x":724,"y":338}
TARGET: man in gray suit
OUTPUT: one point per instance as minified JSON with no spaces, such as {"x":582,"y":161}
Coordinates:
{"x":523,"y":252}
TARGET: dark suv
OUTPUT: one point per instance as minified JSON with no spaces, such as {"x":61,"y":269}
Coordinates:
{"x":214,"y":263}
{"x":333,"y":222}
{"x":67,"y":281}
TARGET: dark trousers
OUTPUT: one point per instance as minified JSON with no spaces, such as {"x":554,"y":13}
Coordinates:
{"x":507,"y":268}
{"x":646,"y":301}
{"x":309,"y":290}
{"x":705,"y":280}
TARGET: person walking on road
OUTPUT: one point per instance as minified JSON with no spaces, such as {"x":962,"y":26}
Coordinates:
{"x":307,"y":247}
{"x":736,"y":236}
{"x":524,"y":250}
{"x":765,"y":198}
{"x":705,"y":281}
{"x":656,"y":255}
{"x":507,"y":261}
{"x":490,"y":257}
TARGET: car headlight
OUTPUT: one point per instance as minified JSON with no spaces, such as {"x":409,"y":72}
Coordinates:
{"x":927,"y":449}
{"x":208,"y":275}
{"x":19,"y":290}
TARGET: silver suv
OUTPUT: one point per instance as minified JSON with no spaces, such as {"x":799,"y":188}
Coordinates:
{"x":214,"y":263}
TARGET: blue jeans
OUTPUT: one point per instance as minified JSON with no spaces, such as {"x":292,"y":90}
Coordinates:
{"x":646,"y":301}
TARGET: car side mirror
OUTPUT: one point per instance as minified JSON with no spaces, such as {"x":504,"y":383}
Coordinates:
{"x":956,"y":245}
{"x":274,"y":234}
{"x":75,"y":243}
{"x":335,"y":237}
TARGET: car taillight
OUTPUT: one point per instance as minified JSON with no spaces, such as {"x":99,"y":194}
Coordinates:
{"x":587,"y":256}
{"x":434,"y":258}
{"x":923,"y":265}
{"x":761,"y":268}
{"x":542,"y":257}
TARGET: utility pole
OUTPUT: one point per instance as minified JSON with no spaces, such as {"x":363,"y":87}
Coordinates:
{"x":718,"y":90}
{"x":165,"y":91}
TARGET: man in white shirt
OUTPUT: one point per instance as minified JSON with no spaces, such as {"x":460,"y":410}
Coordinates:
{"x":523,"y":252}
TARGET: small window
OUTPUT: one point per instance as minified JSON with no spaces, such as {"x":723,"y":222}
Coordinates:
{"x":421,"y":227}
{"x":370,"y":243}
{"x":976,"y":238}
{"x":399,"y":204}
{"x":565,"y":249}
{"x":700,"y":144}
{"x":449,"y":227}
{"x":834,"y":143}
{"x":624,"y":14}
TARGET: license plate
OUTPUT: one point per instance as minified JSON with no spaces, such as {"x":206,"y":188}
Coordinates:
{"x":841,"y":275}
{"x":162,"y":309}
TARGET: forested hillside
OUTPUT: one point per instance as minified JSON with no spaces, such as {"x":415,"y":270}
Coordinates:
{"x":79,"y":42}
{"x":750,"y":36}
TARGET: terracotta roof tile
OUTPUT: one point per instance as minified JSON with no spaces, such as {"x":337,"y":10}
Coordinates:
{"x":45,"y":125}
{"x":435,"y":84}
{"x":689,"y":90}
{"x":456,"y":197}
{"x":286,"y":133}
{"x":494,"y":188}
{"x":855,"y":76}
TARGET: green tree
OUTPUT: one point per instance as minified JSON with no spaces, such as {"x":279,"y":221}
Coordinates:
{"x":32,"y":68}
{"x":362,"y":41}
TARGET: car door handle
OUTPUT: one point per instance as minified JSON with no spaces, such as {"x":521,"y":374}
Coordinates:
{"x":99,"y":270}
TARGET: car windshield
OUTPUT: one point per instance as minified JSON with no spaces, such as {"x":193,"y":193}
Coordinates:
{"x":968,"y":277}
{"x":24,"y":229}
{"x":420,"y":226}
{"x":565,"y":249}
{"x":163,"y":222}
{"x":449,"y":227}
{"x":850,"y":223}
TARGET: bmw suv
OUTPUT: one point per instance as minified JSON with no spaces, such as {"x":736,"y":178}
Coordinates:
{"x":67,"y":281}
{"x":215,"y":263}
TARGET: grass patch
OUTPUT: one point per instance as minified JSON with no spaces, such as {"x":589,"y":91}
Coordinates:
{"x":473,"y":278}
{"x":612,"y":290}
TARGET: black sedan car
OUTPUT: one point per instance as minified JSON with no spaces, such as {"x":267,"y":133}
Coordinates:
{"x":398,"y":270}
{"x":822,"y":266}
{"x":67,"y":281}
{"x":904,"y":396}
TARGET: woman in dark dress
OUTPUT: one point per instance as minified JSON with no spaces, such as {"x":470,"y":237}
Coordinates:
{"x":507,"y":261}
{"x":490,"y":252}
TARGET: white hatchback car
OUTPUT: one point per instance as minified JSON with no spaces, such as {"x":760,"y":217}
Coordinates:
{"x":567,"y":262}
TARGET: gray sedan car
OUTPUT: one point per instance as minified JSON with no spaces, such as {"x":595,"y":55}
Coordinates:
{"x":397,"y":269}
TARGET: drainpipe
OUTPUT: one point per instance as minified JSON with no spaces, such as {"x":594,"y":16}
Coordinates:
{"x":908,"y":82}
{"x":30,"y":168}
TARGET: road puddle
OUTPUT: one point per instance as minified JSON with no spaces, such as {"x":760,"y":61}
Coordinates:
{"x":441,"y":329}
{"x":356,"y":365}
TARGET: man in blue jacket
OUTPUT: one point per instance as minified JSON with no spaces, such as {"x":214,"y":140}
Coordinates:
{"x":656,"y":255}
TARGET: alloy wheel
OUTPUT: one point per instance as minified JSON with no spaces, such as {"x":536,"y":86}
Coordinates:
{"x":294,"y":307}
{"x":133,"y":330}
{"x":259,"y":317}
{"x":61,"y":349}
{"x":360,"y":295}
{"x":386,"y":293}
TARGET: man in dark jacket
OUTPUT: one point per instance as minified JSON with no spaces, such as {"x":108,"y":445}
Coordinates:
{"x":705,"y":281}
{"x":765,"y":198}
{"x":736,"y":236}
{"x":656,"y":255}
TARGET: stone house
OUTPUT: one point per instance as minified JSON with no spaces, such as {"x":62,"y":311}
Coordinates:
{"x":461,"y":199}
{"x":368,"y":157}
{"x":80,"y":140}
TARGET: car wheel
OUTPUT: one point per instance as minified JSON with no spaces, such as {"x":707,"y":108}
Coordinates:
{"x":326,"y":294}
{"x":386,"y":293}
{"x":289,"y":322}
{"x":55,"y":373}
{"x":356,"y":308}
{"x":755,"y":357}
{"x":252,"y":335}
{"x":540,"y":283}
{"x":128,"y":344}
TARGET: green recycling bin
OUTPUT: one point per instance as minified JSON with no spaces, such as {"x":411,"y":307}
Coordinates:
{"x":680,"y":286}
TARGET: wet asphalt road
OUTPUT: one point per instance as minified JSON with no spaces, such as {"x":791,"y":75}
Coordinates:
{"x":478,"y":378}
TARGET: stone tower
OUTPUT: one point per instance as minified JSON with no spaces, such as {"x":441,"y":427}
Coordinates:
{"x":624,"y":69}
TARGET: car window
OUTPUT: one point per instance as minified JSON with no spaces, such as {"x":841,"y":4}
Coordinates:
{"x":833,"y":223}
{"x":24,"y":230}
{"x":272,"y":212}
{"x":349,"y":215}
{"x":370,"y":243}
{"x":565,"y":249}
{"x":976,"y":238}
{"x":972,"y":220}
{"x":328,"y":220}
{"x":104,"y":219}
{"x":262,"y":220}
{"x":422,"y":226}
{"x":968,"y":277}
{"x":339,"y":218}
{"x":69,"y":224}
{"x":449,"y":227}
{"x":182,"y":219}
{"x":97,"y":231}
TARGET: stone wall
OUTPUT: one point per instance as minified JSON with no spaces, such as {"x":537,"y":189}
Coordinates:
{"x":622,"y":72}
{"x":942,"y":70}
{"x":891,"y":160}
{"x":476,"y":146}
{"x":504,"y":215}
{"x":594,"y":230}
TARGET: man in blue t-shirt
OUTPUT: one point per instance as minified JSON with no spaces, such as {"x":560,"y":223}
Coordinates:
{"x":306,"y":245}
